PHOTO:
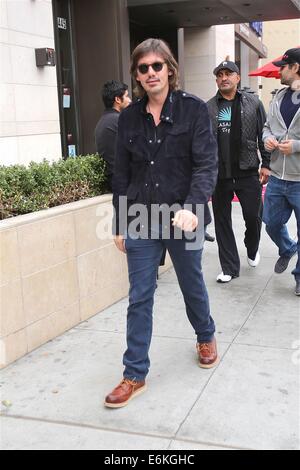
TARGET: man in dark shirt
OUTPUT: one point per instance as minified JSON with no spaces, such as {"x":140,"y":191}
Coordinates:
{"x":115,"y":98}
{"x":166,"y":156}
{"x":238,"y":119}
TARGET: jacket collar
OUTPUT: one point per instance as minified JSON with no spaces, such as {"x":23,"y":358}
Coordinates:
{"x":167,"y":109}
{"x":276,"y":103}
{"x":110,"y":111}
{"x":280,"y":94}
{"x":220,"y":97}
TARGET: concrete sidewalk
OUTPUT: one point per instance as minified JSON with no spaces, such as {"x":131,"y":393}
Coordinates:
{"x":250,"y":401}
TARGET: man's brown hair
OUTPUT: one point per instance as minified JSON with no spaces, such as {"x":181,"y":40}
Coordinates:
{"x":291,"y":65}
{"x":160,"y":47}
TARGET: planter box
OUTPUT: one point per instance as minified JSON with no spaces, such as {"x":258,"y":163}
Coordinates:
{"x":57,"y":269}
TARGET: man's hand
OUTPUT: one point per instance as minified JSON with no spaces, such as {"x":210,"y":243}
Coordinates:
{"x":264,"y":175}
{"x":270,"y":144}
{"x":120,"y":243}
{"x":286,"y":147}
{"x":185,"y":220}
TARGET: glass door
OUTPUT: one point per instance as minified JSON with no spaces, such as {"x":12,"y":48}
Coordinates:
{"x":66,"y":77}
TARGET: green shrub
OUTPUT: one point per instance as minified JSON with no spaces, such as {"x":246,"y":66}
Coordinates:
{"x":44,"y":185}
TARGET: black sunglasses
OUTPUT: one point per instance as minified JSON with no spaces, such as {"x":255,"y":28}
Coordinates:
{"x":157,"y":67}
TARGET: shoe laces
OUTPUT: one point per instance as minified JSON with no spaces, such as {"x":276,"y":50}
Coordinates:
{"x":125,"y":381}
{"x":203,"y":347}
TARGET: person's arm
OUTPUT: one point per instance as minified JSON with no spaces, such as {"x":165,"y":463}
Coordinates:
{"x":204,"y":158}
{"x":261,"y":120}
{"x":296,"y":146}
{"x":269,"y":140}
{"x":121,"y":178}
{"x":205,"y":169}
{"x":106,"y":143}
{"x":287,"y":147}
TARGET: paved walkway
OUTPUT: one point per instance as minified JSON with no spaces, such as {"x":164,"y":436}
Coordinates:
{"x":250,"y":401}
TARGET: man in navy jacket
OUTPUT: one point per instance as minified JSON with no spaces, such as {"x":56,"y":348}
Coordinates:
{"x":166,"y":157}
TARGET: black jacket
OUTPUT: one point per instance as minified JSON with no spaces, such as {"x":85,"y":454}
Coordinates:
{"x":178,"y":167}
{"x":253,"y":118}
{"x":106,"y":138}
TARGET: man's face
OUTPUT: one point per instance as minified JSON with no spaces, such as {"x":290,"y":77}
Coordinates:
{"x":153,"y":82}
{"x":288,"y":75}
{"x":125,"y":101}
{"x":227,"y":81}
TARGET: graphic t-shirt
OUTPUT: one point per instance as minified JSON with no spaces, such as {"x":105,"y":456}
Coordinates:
{"x":224,"y":127}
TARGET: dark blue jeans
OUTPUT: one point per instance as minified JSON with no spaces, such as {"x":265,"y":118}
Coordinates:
{"x":143,"y":256}
{"x":281,"y":199}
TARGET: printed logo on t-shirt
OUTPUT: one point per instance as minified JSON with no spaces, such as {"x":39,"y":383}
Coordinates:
{"x":224,"y":119}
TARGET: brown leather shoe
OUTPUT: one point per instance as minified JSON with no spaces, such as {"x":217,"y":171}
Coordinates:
{"x":207,"y":353}
{"x":124,"y":392}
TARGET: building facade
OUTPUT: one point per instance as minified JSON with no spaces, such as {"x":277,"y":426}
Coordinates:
{"x":29,"y":115}
{"x":279,"y":36}
{"x":50,"y":99}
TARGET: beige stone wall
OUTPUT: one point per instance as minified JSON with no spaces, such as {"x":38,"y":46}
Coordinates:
{"x":29,"y":115}
{"x":225,"y":38}
{"x":204,"y":49}
{"x":249,"y":61}
{"x":253,"y":64}
{"x":199,"y":61}
{"x":278,"y":37}
{"x":57,"y":269}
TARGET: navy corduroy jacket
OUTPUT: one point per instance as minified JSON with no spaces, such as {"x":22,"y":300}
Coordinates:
{"x":177,"y":165}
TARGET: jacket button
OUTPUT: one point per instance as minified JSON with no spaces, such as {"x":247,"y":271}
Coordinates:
{"x":167,"y":118}
{"x":157,"y":185}
{"x":150,"y":141}
{"x":159,"y":141}
{"x":146,"y":185}
{"x":152,"y":162}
